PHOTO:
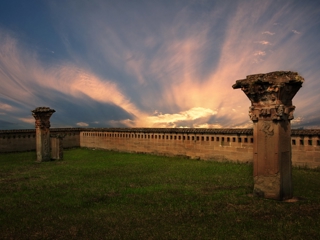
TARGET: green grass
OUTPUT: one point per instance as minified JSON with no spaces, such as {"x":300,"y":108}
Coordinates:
{"x":95,"y":194}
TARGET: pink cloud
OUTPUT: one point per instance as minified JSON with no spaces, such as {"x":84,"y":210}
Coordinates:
{"x":259,"y":53}
{"x":23,"y":76}
{"x":263,"y":42}
{"x":268,"y":33}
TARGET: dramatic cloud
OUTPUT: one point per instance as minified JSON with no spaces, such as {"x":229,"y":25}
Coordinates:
{"x":29,"y":82}
{"x":173,"y":120}
{"x":153,"y":63}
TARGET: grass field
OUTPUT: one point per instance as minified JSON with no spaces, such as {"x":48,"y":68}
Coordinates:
{"x":94,"y":194}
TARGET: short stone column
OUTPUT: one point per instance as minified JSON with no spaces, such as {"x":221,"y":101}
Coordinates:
{"x":42,"y":116}
{"x":271,"y":111}
{"x":57,"y":146}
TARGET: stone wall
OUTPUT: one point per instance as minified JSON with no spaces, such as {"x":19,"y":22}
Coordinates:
{"x":305,"y":147}
{"x":194,"y":143}
{"x":221,"y":144}
{"x":25,"y":140}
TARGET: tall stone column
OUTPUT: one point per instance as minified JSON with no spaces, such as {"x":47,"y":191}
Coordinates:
{"x":42,"y":116}
{"x":271,"y":111}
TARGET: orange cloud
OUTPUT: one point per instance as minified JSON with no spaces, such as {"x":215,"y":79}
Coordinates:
{"x":173,"y":119}
{"x":263,"y":42}
{"x":23,"y":76}
{"x":170,"y":78}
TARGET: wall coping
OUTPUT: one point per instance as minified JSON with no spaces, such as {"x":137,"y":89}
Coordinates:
{"x":34,"y":130}
{"x":245,"y":131}
{"x":175,"y":130}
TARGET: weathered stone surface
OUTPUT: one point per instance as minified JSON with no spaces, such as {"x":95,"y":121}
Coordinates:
{"x":267,"y":186}
{"x":305,"y":155}
{"x":42,"y":116}
{"x":271,"y":111}
{"x":271,"y":94}
{"x":57,"y":146}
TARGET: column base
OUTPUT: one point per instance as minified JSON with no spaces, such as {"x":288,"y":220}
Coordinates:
{"x":267,"y":186}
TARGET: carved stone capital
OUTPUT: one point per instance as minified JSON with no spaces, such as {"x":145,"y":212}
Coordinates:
{"x":42,"y":116}
{"x":275,"y":113}
{"x":271,"y":94}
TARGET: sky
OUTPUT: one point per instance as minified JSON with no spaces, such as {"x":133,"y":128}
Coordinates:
{"x":152,"y":63}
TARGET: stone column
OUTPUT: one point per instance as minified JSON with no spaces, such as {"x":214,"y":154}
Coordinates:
{"x":271,"y":111}
{"x":57,"y":146}
{"x":42,"y":116}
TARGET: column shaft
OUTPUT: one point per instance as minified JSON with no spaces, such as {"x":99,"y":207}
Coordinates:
{"x":271,"y":111}
{"x":42,"y":116}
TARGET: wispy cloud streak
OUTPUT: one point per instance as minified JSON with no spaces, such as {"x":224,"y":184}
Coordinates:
{"x":26,"y":81}
{"x":181,"y":66}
